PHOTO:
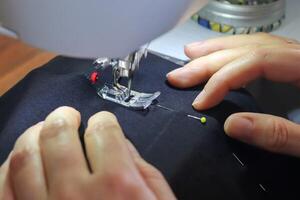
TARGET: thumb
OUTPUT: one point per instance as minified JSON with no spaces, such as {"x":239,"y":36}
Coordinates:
{"x":152,"y":176}
{"x":269,"y":132}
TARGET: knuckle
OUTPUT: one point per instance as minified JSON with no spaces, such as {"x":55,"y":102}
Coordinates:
{"x":258,"y":52}
{"x":152,"y":172}
{"x":121,"y":181}
{"x":251,"y":47}
{"x":280,"y":135}
{"x":267,"y":37}
{"x":103,"y":127}
{"x":66,"y":192}
{"x":54,"y":127}
{"x":107,"y":115}
{"x":262,"y":34}
{"x":292,"y":41}
{"x":58,"y":123}
{"x":29,"y":133}
{"x":103,"y":117}
{"x":261,"y":56}
{"x":66,"y":109}
{"x":101,"y":122}
{"x":20,"y":158}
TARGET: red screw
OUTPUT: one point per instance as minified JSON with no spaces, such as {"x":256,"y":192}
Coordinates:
{"x":94,"y":77}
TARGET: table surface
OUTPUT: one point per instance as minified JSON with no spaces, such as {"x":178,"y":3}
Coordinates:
{"x":16,"y":60}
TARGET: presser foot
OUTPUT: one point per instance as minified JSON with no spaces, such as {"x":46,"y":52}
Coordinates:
{"x":114,"y":91}
{"x":120,"y":95}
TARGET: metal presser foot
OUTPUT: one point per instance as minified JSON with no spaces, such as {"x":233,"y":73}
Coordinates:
{"x":116,"y":92}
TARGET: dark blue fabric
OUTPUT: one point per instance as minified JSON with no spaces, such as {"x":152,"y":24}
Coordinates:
{"x":196,"y":159}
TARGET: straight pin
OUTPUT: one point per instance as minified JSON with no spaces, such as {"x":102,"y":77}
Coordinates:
{"x":203,"y":120}
{"x":194,"y":117}
{"x":262,"y":187}
{"x":239,"y":160}
{"x":166,"y":108}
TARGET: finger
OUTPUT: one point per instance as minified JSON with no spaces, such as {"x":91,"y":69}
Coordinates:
{"x":110,"y":160}
{"x":153,"y":177}
{"x":62,"y":154}
{"x":201,"y":69}
{"x":266,"y":131}
{"x":26,"y":167}
{"x":202,"y":48}
{"x":6,"y":191}
{"x":270,"y":62}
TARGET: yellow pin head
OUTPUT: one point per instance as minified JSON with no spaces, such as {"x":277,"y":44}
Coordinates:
{"x":203,"y":120}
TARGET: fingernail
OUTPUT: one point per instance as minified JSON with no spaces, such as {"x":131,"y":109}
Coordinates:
{"x":194,"y":44}
{"x":239,"y":127}
{"x":199,"y":100}
{"x":179,"y":74}
{"x":168,"y":74}
{"x":175,"y":72}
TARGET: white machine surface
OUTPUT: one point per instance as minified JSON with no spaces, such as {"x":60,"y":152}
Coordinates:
{"x":93,"y":28}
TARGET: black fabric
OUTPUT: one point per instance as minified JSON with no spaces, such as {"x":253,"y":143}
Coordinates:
{"x":196,"y":159}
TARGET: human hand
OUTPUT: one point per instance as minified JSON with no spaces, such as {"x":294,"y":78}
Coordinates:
{"x":48,"y":162}
{"x":230,"y":63}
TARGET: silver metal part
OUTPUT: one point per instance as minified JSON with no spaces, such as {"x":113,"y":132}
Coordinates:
{"x":124,"y":95}
{"x":253,"y":15}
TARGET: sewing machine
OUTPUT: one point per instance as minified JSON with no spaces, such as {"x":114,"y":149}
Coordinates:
{"x":88,"y":29}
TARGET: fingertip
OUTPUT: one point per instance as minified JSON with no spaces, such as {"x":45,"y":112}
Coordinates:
{"x":187,"y":51}
{"x":197,"y":106}
{"x":194,"y":44}
{"x":239,"y":126}
{"x":229,"y":125}
{"x":200,"y":102}
{"x":184,"y":77}
{"x":174,"y":78}
{"x":191,"y":50}
{"x":173,"y":73}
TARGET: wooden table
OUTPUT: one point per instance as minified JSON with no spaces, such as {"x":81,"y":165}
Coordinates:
{"x":17,"y":59}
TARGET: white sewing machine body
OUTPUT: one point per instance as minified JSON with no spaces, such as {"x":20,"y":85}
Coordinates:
{"x":92,"y":28}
